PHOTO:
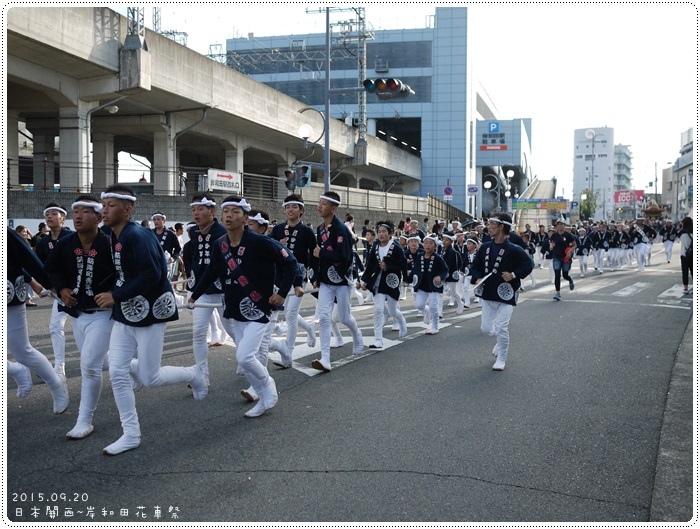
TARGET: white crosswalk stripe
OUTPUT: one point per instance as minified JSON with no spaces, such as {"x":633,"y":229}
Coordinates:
{"x":673,"y":292}
{"x":631,"y":290}
{"x":592,"y":286}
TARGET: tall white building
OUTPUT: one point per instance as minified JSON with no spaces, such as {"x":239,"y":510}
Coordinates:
{"x":594,"y":168}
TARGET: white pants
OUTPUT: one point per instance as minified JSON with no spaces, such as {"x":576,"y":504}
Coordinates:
{"x":18,"y":346}
{"x":146,"y":343}
{"x":326,"y":296}
{"x":583,"y":264}
{"x":668,"y":246}
{"x":598,"y":257}
{"x":452,"y":291}
{"x":382,"y":301}
{"x":640,"y":252}
{"x":58,"y":337}
{"x":433,"y":300}
{"x":201,"y":317}
{"x":216,"y":332}
{"x":92,"y":333}
{"x":292,"y":303}
{"x":249,"y":336}
{"x":495,"y":317}
{"x":648,"y":254}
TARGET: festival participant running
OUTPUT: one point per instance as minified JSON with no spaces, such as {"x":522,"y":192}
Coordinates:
{"x":247,"y":264}
{"x":55,"y":216}
{"x":301,"y":241}
{"x":80,"y":266}
{"x":668,"y":236}
{"x":142,"y":302}
{"x":197,"y":257}
{"x":563,"y":246}
{"x":334,"y":278}
{"x":385,"y":264}
{"x":169,"y":242}
{"x":23,"y":264}
{"x":428,"y":279}
{"x":499,"y":264}
{"x":454,"y":266}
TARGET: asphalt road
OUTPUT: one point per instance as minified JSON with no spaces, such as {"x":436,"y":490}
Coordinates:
{"x":590,"y":422}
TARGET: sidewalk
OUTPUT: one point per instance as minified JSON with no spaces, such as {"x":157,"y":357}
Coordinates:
{"x":672,"y":499}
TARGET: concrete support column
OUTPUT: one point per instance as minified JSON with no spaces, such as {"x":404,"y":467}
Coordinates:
{"x":43,"y":161}
{"x":234,"y":160}
{"x":75,"y":148}
{"x":166,"y":177}
{"x":372,"y":127}
{"x":102,"y":161}
{"x":12,"y":147}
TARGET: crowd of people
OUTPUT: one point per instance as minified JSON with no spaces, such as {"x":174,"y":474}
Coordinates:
{"x":117,"y":281}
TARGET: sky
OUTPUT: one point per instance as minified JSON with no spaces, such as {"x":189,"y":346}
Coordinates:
{"x":632,"y":67}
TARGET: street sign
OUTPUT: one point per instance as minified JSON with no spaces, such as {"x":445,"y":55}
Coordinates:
{"x":472,"y":189}
{"x":225,"y":181}
{"x":574,"y":204}
{"x":447,"y":198}
{"x":448,"y":191}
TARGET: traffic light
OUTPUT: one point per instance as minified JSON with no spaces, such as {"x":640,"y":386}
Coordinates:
{"x":388,"y":88}
{"x":297,"y":176}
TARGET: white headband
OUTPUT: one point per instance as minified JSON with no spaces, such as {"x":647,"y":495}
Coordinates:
{"x":94,"y":205}
{"x":55,"y":208}
{"x":158,"y":215}
{"x":117,"y":195}
{"x":472,"y":241}
{"x":290,"y":202}
{"x":414,"y":238}
{"x":203,"y":202}
{"x":500,"y":221}
{"x":434,"y":239}
{"x":388,"y":228}
{"x":329,"y":199}
{"x":242,"y":204}
{"x":259,"y":219}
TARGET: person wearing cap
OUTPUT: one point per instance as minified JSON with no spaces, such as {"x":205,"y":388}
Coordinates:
{"x":428,"y":279}
{"x":168,"y":241}
{"x":334,"y":277}
{"x":142,"y":302}
{"x":196,"y":257}
{"x":301,"y":241}
{"x":563,"y":247}
{"x":40,"y":234}
{"x":55,"y":217}
{"x":668,"y":233}
{"x":454,"y":267}
{"x":80,"y":266}
{"x":382,"y":277}
{"x":583,"y":248}
{"x":497,"y":271}
{"x":248,"y":265}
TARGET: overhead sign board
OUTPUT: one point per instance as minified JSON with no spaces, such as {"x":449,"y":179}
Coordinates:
{"x":472,"y":189}
{"x":628,"y":197}
{"x":539,"y":203}
{"x":225,"y":181}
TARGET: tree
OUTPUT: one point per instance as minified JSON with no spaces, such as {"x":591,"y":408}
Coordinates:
{"x":589,"y":204}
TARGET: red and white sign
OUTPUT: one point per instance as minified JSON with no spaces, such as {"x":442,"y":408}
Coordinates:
{"x":225,"y":181}
{"x":628,"y":198}
{"x":493,"y":147}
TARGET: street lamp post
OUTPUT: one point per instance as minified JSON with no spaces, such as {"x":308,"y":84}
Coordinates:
{"x":591,"y":135}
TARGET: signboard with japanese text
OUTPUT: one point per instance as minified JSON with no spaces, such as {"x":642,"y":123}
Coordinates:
{"x":539,"y":203}
{"x":225,"y":181}
{"x":628,"y":198}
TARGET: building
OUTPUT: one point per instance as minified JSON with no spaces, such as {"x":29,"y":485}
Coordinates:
{"x":594,"y":168}
{"x":677,"y":180}
{"x":622,"y":181}
{"x":438,"y":122}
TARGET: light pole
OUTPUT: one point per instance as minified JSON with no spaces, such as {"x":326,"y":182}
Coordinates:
{"x":591,"y":135}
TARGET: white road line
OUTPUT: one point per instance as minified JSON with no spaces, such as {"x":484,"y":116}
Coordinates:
{"x":608,"y":302}
{"x":673,"y":292}
{"x":592,"y":286}
{"x":631,"y":290}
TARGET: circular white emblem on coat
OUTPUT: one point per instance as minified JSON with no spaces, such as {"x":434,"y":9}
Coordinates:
{"x":217,"y":284}
{"x":135,"y":309}
{"x":455,"y":274}
{"x":10,"y":290}
{"x":249,"y":310}
{"x":165,"y":306}
{"x":20,"y":289}
{"x":505,"y":291}
{"x":392,"y":281}
{"x":585,"y":251}
{"x":191,"y":281}
{"x":334,"y":276}
{"x":415,"y":281}
{"x":479,"y":290}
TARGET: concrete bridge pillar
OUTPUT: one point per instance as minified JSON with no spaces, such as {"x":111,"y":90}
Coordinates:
{"x":12,"y":135}
{"x":102,"y":161}
{"x":234,"y":160}
{"x":43,"y":161}
{"x":75,"y":148}
{"x":166,"y":177}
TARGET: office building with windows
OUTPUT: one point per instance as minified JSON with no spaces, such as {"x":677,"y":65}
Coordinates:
{"x":437,"y":123}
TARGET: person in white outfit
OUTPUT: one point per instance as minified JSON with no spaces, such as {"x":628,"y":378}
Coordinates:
{"x":79,"y":267}
{"x":142,"y":302}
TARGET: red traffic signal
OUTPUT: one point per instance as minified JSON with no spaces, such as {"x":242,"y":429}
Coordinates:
{"x":387,"y":88}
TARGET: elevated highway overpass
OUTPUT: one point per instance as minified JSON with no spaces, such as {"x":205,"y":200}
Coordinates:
{"x":67,"y":66}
